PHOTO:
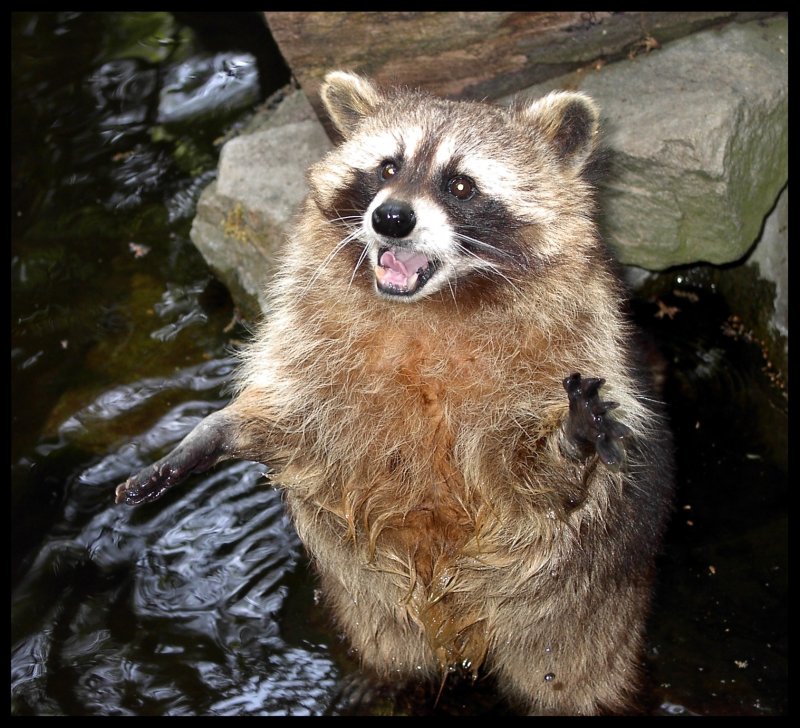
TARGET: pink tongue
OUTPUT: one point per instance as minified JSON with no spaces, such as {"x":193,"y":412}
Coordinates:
{"x":400,"y":264}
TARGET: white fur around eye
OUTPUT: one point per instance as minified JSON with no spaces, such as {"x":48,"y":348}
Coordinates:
{"x":367,"y":151}
{"x":409,"y":140}
{"x":494,"y":178}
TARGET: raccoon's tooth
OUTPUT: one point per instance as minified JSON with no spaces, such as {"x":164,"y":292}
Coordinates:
{"x":411,"y":282}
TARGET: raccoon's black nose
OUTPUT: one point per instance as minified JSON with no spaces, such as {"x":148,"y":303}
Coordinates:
{"x":395,"y":219}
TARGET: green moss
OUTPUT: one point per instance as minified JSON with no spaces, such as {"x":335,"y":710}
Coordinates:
{"x":235,"y":226}
{"x":153,"y":37}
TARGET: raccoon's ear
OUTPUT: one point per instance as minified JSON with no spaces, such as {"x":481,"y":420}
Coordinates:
{"x":348,"y":98}
{"x":569,"y":121}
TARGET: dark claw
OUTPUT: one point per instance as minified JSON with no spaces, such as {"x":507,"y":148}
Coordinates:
{"x":149,"y":484}
{"x":589,"y":428}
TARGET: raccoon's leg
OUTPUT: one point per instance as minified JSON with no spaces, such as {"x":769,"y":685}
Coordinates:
{"x":206,"y":445}
{"x":582,"y":660}
{"x":589,"y":428}
{"x":371,"y":609}
{"x":240,"y":430}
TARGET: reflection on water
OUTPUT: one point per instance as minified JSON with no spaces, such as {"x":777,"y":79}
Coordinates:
{"x":203,"y":602}
{"x":123,"y":91}
{"x":169,"y":611}
{"x":208,"y":86}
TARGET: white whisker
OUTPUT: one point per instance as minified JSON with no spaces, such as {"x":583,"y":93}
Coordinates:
{"x":353,"y":234}
{"x":360,"y":260}
{"x":486,"y":246}
{"x":452,"y":292}
{"x":486,"y":264}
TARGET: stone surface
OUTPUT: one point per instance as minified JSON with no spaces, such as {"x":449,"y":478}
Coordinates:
{"x":468,"y":54}
{"x":699,"y":138}
{"x":243,"y":216}
{"x":771,"y":257}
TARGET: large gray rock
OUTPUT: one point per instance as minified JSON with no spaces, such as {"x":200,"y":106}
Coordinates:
{"x":243,"y":217}
{"x":699,"y":135}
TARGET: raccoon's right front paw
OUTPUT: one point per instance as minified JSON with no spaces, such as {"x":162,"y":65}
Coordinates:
{"x":202,"y":448}
{"x":147,"y":485}
{"x":193,"y":455}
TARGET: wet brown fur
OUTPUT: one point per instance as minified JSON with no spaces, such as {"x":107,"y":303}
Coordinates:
{"x":420,"y":446}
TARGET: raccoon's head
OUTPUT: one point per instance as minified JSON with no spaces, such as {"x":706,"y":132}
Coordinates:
{"x":433,"y":195}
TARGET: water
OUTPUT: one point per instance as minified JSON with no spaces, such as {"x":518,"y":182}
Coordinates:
{"x":203,"y":603}
{"x":719,"y":632}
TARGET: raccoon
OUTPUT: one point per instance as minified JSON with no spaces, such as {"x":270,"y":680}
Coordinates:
{"x":426,"y":387}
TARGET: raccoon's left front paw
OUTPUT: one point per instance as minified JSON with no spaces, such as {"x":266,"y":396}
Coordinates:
{"x":589,"y":428}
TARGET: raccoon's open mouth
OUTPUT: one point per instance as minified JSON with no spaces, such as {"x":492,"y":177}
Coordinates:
{"x":402,"y":271}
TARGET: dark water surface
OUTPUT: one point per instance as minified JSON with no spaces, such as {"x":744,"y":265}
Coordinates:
{"x":203,"y":603}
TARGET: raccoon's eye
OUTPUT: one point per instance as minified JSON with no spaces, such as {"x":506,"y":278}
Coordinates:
{"x":461,"y":187}
{"x":388,"y":170}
